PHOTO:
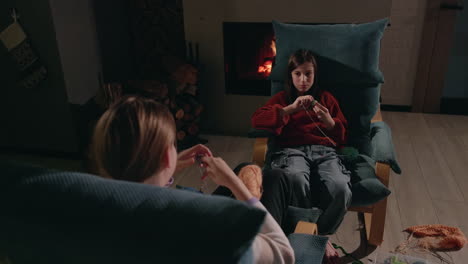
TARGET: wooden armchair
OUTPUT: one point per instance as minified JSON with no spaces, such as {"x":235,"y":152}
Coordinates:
{"x":374,"y":215}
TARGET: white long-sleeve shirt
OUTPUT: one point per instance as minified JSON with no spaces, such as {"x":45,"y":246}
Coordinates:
{"x":271,"y":244}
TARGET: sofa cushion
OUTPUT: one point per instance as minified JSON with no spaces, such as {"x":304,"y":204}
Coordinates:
{"x":66,"y":217}
{"x":308,"y":249}
{"x":347,"y":53}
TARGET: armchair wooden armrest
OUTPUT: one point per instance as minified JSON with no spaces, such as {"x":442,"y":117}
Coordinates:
{"x":304,"y":227}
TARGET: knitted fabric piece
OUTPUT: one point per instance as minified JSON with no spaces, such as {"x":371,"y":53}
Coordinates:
{"x":438,"y":237}
{"x":251,"y":176}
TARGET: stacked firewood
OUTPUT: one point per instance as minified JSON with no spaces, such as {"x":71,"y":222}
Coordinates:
{"x":187,"y":116}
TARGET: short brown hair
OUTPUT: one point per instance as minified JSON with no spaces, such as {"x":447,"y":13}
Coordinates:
{"x":131,"y":137}
{"x":298,"y":58}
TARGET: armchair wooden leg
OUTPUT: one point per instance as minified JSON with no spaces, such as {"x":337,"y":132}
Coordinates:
{"x":375,"y":221}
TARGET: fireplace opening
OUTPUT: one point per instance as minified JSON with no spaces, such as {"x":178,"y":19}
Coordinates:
{"x":249,"y":55}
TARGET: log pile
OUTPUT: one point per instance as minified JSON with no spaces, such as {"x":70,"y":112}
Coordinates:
{"x":187,"y":112}
{"x":179,"y":95}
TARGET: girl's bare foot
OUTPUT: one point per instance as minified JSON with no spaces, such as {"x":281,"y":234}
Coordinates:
{"x":331,"y":254}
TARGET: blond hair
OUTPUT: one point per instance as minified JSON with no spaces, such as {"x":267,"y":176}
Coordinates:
{"x":131,"y":138}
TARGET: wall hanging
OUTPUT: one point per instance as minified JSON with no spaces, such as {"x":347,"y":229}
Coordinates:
{"x":15,"y":40}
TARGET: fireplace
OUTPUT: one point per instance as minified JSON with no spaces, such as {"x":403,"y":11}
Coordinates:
{"x":249,"y":55}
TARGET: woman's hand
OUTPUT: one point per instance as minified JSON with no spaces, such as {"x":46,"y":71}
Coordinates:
{"x":324,"y":115}
{"x":187,"y":157}
{"x":300,"y":103}
{"x":217,"y":169}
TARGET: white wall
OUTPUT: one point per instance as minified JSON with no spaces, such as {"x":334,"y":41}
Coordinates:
{"x":77,"y":42}
{"x":230,"y":114}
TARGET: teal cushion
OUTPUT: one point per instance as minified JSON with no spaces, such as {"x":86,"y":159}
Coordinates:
{"x":359,"y":103}
{"x":346,"y":53}
{"x":65,"y":217}
{"x":276,"y":87}
{"x":295,"y":214}
{"x":382,"y":145}
{"x":366,"y":188}
{"x":368,"y":192}
{"x":308,"y":249}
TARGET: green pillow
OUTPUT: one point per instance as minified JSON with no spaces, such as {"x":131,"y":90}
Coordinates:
{"x":346,"y":53}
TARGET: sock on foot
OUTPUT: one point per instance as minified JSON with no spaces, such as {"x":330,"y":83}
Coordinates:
{"x":251,"y":176}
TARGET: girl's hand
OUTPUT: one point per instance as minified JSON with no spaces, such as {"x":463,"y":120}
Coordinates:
{"x":324,"y":115}
{"x":187,"y":157}
{"x":300,"y":103}
{"x":217,"y":169}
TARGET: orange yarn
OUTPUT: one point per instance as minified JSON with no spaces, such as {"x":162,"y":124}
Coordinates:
{"x":251,"y":176}
{"x":438,"y":237}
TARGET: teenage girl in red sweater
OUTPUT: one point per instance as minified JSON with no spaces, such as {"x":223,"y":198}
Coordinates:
{"x":308,"y":125}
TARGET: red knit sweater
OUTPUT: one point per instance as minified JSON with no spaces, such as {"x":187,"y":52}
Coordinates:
{"x":298,"y":129}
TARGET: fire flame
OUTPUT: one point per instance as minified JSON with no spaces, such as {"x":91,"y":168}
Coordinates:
{"x":273,"y":47}
{"x":265,"y":68}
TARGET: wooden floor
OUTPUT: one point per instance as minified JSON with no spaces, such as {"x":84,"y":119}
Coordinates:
{"x":433,"y":189}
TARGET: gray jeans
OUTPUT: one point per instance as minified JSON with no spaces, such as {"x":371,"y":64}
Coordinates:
{"x":318,"y":178}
